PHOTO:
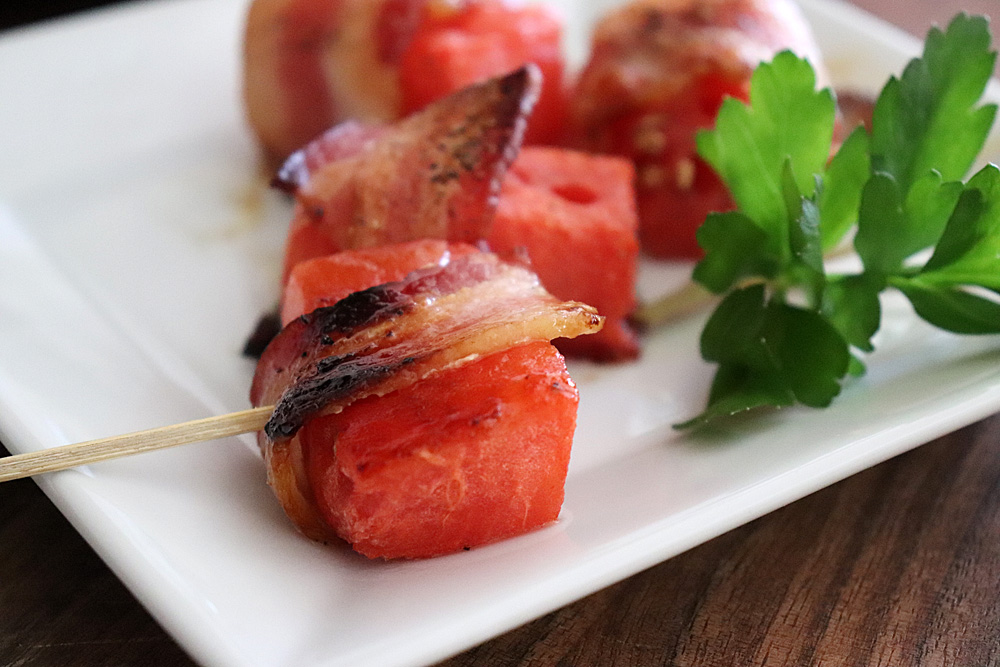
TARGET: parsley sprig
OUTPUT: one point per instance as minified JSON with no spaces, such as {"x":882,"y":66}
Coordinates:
{"x":788,"y":332}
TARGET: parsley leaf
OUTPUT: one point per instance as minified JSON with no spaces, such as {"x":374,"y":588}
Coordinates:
{"x":926,"y":119}
{"x":953,"y":309}
{"x":736,"y":247}
{"x":966,"y":257}
{"x":785,"y":332}
{"x":843,"y":182}
{"x":851,"y":304}
{"x":787,"y":121}
{"x":770,"y":353}
{"x":969,"y":250}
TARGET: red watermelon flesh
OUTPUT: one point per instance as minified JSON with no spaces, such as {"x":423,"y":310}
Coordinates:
{"x":657,"y":74}
{"x":465,"y":457}
{"x":575,"y":215}
{"x":322,"y":281}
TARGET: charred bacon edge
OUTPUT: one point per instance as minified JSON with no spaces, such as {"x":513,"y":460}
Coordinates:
{"x":517,"y":94}
{"x":340,"y":380}
{"x":380,"y":348}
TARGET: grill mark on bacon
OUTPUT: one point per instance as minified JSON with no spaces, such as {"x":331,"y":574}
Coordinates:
{"x":361,"y":309}
{"x":335,"y":378}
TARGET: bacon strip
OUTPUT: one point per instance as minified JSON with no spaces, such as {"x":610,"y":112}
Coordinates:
{"x":435,"y":174}
{"x":393,"y":335}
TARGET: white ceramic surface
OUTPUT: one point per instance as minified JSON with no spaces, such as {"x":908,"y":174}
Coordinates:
{"x":137,"y":249}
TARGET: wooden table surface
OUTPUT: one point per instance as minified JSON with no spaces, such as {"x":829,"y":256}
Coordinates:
{"x":895,"y":567}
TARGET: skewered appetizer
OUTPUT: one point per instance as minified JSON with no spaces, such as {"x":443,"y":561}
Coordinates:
{"x":423,"y":416}
{"x":420,"y":408}
{"x":658,"y":72}
{"x":310,"y":64}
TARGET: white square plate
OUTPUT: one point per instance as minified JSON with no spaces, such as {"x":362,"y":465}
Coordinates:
{"x":138,"y":248}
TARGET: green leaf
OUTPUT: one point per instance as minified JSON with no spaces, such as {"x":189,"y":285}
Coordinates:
{"x":806,"y":261}
{"x":953,"y":309}
{"x":737,"y":389}
{"x":781,"y":354}
{"x":747,"y":376}
{"x":786,"y":120}
{"x":928,"y":206}
{"x":852,"y":305}
{"x":926,"y":120}
{"x":733,"y":332}
{"x":843,"y":182}
{"x":793,"y":347}
{"x":891,"y":229}
{"x":857,"y":367}
{"x":969,"y":250}
{"x":881,"y":222}
{"x":735,"y":247}
{"x":811,"y":354}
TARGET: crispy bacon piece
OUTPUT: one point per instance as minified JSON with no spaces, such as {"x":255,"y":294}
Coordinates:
{"x":389,"y":337}
{"x":435,"y":174}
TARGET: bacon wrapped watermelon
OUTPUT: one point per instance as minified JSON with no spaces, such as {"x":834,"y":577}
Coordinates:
{"x":658,"y":72}
{"x":422,"y":416}
{"x":435,"y":174}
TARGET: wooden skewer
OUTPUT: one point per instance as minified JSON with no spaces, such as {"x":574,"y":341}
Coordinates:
{"x":690,"y":299}
{"x":103,"y":449}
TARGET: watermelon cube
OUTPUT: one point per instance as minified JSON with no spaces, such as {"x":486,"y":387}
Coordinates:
{"x":574,"y":214}
{"x":465,"y":457}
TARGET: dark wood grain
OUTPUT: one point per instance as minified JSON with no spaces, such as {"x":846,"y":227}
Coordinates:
{"x":898,"y":566}
{"x":59,"y":603}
